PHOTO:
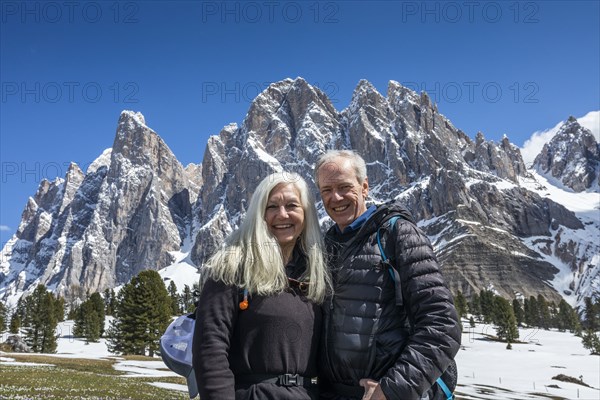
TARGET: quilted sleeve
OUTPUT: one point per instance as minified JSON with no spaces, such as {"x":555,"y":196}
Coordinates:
{"x":436,"y":333}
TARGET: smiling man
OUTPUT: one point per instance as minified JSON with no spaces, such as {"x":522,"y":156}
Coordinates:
{"x":390,"y":329}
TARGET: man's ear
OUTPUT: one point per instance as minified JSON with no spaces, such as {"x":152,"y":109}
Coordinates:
{"x":365,"y":187}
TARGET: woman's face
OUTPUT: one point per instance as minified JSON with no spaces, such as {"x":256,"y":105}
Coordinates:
{"x":284,"y":214}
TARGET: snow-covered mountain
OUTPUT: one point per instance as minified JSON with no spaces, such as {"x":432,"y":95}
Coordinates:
{"x":494,"y":223}
{"x":572,"y":158}
{"x":97,"y":230}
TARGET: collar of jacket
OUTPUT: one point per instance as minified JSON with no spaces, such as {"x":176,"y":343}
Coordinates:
{"x":378,"y":217}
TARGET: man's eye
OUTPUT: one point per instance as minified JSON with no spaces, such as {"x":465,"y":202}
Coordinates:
{"x":325,"y":191}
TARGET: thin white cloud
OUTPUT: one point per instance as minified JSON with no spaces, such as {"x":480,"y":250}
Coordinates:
{"x":591,"y":121}
{"x":532,"y":146}
{"x":4,"y":228}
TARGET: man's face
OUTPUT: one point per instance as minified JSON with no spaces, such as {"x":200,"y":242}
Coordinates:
{"x":343,"y":196}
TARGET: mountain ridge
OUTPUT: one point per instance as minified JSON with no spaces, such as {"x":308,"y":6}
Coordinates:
{"x":141,"y":206}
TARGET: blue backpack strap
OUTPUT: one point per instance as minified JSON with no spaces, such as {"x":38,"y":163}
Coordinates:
{"x":392,"y":223}
{"x":386,"y":261}
{"x":445,"y":389}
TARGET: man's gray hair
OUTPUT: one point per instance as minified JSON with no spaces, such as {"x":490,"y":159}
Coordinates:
{"x":356,"y":161}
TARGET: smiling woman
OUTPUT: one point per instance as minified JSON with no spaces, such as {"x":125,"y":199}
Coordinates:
{"x":285,"y":217}
{"x":266,"y":345}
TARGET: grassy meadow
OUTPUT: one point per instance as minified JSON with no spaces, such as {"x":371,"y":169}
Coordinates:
{"x":76,"y":378}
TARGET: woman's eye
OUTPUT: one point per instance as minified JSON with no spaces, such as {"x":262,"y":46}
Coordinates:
{"x":271,"y":207}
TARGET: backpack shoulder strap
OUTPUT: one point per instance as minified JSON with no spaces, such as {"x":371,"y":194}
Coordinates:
{"x":391,"y":223}
{"x":398,"y":288}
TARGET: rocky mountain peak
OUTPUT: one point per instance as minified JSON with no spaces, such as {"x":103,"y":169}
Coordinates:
{"x":572,"y":157}
{"x":479,"y":138}
{"x":281,"y":118}
{"x":136,"y":207}
{"x":398,"y":94}
{"x":97,"y":229}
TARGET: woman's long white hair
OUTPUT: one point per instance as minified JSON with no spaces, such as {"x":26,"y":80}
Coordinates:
{"x":252,"y":258}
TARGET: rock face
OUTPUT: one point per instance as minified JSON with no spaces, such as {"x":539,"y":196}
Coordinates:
{"x":571,"y":157}
{"x":97,"y":230}
{"x":134,"y":205}
{"x":466,"y":193}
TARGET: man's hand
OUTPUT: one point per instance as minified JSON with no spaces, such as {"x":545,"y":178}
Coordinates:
{"x":372,"y":390}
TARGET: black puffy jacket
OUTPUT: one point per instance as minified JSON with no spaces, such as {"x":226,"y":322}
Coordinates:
{"x":406,"y":348}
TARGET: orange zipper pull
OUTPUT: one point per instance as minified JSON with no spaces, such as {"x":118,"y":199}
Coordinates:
{"x":244,"y":303}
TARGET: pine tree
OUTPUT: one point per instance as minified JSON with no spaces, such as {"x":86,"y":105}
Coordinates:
{"x":142,"y":314}
{"x":460,"y":303}
{"x":20,"y":309}
{"x":553,"y":311}
{"x":109,"y":302}
{"x":486,"y":299}
{"x":567,"y":317}
{"x":174,"y":298}
{"x":506,"y":323}
{"x":475,"y":306}
{"x":40,"y":320}
{"x":59,"y":308}
{"x":89,"y":319}
{"x":98,"y":307}
{"x":532,"y":317}
{"x":15,"y":323}
{"x":106,"y":298}
{"x":3,"y":317}
{"x":187,"y":299}
{"x":73,"y":310}
{"x":471,"y":322}
{"x":16,"y":320}
{"x":77,"y":316}
{"x":518,"y":311}
{"x":591,"y":341}
{"x":544,"y":312}
{"x":87,"y":322}
{"x":591,"y":320}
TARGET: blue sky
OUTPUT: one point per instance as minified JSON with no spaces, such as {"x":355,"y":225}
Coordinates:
{"x":67,"y":69}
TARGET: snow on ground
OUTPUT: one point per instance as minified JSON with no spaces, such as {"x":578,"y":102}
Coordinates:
{"x":144,"y":368}
{"x":486,"y":370}
{"x":70,"y":347}
{"x":170,"y":386}
{"x":11,"y":361}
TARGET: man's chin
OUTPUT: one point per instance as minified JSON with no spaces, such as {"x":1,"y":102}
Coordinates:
{"x":342,"y":221}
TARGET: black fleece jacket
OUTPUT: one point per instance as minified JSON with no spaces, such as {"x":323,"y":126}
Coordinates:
{"x":276,"y":335}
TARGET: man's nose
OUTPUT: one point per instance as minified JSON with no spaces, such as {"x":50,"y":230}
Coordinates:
{"x":336,"y":196}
